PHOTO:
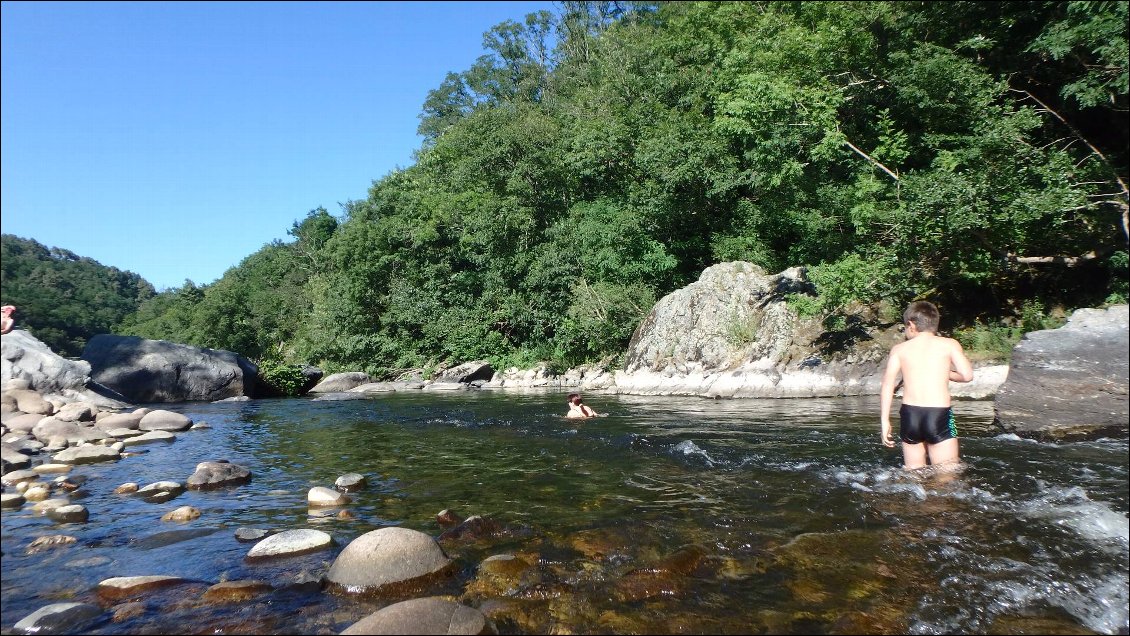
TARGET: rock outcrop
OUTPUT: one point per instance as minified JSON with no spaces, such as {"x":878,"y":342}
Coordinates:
{"x":340,"y":382}
{"x":731,"y":334}
{"x":25,"y":357}
{"x":1071,"y":382}
{"x":160,"y":371}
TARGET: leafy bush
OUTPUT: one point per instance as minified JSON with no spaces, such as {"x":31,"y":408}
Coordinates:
{"x":281,"y":379}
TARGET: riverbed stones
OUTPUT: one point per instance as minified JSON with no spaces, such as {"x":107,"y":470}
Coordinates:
{"x":86,"y":455}
{"x":1072,"y":382}
{"x":291,"y":543}
{"x":77,"y":412}
{"x":74,"y":432}
{"x":247,"y":535}
{"x":32,"y":402}
{"x":432,"y":615}
{"x":350,"y":482}
{"x":236,"y":591}
{"x":386,"y":558}
{"x":120,"y":587}
{"x":23,"y":423}
{"x":71,"y":513}
{"x":37,"y":493}
{"x":127,"y":488}
{"x":467,"y":372}
{"x":120,"y":420}
{"x":448,"y":518}
{"x":184,"y":513}
{"x":59,"y":618}
{"x":50,"y":541}
{"x":320,"y":496}
{"x":42,"y":507}
{"x":161,"y":420}
{"x":217,"y":474}
{"x":45,"y":469}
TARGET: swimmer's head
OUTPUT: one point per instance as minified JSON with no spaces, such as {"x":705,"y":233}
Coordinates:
{"x":574,"y":398}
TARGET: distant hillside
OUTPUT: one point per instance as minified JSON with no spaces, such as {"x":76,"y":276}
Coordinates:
{"x":63,"y":298}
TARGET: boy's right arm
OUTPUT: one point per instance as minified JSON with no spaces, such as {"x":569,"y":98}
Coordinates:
{"x":887,"y":397}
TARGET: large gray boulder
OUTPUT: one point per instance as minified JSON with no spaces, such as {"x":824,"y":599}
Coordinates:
{"x":467,"y":372}
{"x":1071,"y":382}
{"x":160,"y":371}
{"x":340,"y":382}
{"x":732,"y":334}
{"x":432,"y":615}
{"x":387,"y":559}
{"x":23,"y":356}
{"x":210,"y":475}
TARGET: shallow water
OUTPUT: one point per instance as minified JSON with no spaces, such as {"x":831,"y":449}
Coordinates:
{"x":667,"y":515}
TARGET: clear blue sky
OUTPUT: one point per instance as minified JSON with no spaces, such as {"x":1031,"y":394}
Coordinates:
{"x":175,"y":139}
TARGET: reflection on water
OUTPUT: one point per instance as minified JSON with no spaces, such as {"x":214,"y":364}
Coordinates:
{"x":667,"y":515}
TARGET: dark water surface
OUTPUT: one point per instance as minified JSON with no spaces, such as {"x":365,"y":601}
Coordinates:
{"x":670,"y":515}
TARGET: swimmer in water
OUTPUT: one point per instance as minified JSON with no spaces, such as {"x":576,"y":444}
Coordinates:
{"x":577,"y":410}
{"x":927,"y":363}
{"x":6,"y":320}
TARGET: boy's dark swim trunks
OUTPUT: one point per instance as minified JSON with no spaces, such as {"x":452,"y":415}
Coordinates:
{"x":930,"y":424}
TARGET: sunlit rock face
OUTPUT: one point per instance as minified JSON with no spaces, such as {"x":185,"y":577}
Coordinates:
{"x":1071,"y":382}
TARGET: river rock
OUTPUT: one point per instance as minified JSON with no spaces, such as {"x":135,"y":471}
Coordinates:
{"x":32,"y":402}
{"x":291,"y":543}
{"x":121,"y":587}
{"x":72,"y":513}
{"x":161,"y":491}
{"x":321,"y":496}
{"x":236,"y":591}
{"x":184,"y":513}
{"x":50,"y":428}
{"x":432,"y":615}
{"x":23,"y":356}
{"x":50,"y":504}
{"x":16,"y":476}
{"x":1071,"y":382}
{"x":161,"y":420}
{"x":86,"y":455}
{"x":12,"y":458}
{"x":119,"y":420}
{"x":246,"y":535}
{"x":146,"y":438}
{"x":387,"y":387}
{"x":60,"y":618}
{"x":37,"y":493}
{"x":11,"y":500}
{"x":211,"y":475}
{"x":23,"y":423}
{"x":127,"y":488}
{"x":159,"y":371}
{"x":386,"y":558}
{"x":51,"y":541}
{"x":77,"y":412}
{"x":51,"y":469}
{"x":473,"y":528}
{"x":467,"y":372}
{"x":341,"y":382}
{"x":350,"y":482}
{"x":448,"y":518}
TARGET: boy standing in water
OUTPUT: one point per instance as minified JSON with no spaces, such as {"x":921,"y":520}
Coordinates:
{"x":927,"y":362}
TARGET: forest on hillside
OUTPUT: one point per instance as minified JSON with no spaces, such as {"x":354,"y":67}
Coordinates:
{"x":600,"y":156}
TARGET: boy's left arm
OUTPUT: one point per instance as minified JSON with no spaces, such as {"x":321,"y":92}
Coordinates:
{"x":961,"y":367}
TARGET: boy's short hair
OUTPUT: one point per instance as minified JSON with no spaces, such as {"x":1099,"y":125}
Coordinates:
{"x":923,"y":314}
{"x":573,"y":396}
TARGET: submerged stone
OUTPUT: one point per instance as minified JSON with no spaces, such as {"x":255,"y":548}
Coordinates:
{"x":59,"y":618}
{"x":431,"y":615}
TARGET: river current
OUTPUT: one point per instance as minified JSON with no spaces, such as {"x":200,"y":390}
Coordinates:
{"x":665,"y":515}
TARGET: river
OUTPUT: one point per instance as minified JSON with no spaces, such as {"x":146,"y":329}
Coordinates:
{"x":665,"y":515}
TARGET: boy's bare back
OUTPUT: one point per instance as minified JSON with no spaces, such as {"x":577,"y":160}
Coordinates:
{"x":927,"y":363}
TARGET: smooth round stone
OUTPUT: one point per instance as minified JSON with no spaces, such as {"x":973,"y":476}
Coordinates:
{"x":209,"y":475}
{"x":150,"y":437}
{"x":433,"y":615}
{"x":234,"y":591}
{"x":125,"y":586}
{"x":72,"y":513}
{"x":17,"y":476}
{"x":53,"y":468}
{"x":184,"y":513}
{"x":49,"y":504}
{"x":246,"y":535}
{"x":37,"y":493}
{"x":86,"y":455}
{"x":161,"y":420}
{"x":350,"y":482}
{"x":384,"y":557}
{"x":160,"y":487}
{"x":122,"y":433}
{"x":321,"y":496}
{"x":23,"y":486}
{"x":59,"y":618}
{"x":291,"y":542}
{"x":201,"y":426}
{"x":119,"y":421}
{"x":127,"y":488}
{"x":11,"y":500}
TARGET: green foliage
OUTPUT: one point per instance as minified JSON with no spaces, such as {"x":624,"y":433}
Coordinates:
{"x":984,"y":342}
{"x":281,"y":379}
{"x":65,"y":299}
